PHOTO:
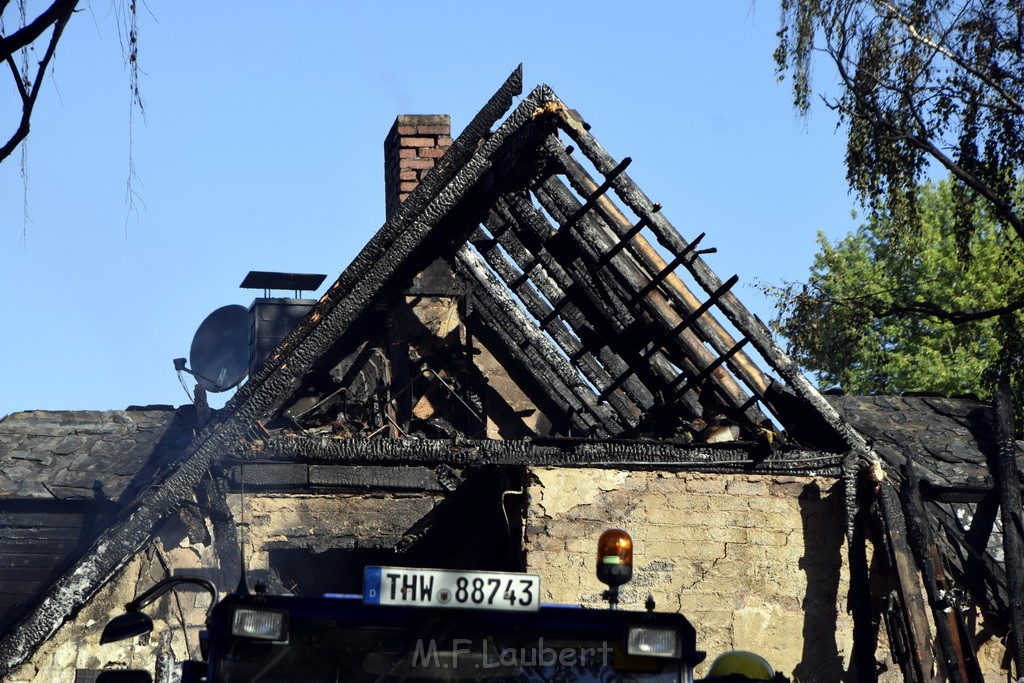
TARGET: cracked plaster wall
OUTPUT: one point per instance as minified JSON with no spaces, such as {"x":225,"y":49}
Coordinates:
{"x":754,"y":562}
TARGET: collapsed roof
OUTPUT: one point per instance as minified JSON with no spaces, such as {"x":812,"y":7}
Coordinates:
{"x":576,"y":275}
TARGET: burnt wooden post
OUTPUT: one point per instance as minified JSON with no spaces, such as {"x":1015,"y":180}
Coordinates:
{"x":1007,"y":477}
{"x":399,"y":409}
{"x":864,"y":637}
{"x":918,"y":632}
{"x":919,"y":534}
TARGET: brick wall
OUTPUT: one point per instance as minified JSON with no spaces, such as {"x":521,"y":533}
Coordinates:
{"x":411,"y":148}
{"x":755,"y":563}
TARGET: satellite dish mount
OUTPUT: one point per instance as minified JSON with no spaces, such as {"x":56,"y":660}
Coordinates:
{"x":220,"y":349}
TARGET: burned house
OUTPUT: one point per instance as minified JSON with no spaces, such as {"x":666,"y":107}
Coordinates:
{"x":526,"y":353}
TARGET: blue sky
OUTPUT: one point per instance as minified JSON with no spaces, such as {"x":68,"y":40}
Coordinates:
{"x":262,"y":150}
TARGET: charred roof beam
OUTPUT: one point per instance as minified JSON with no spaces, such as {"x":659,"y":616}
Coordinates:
{"x":535,"y":350}
{"x":708,"y":372}
{"x":533,"y":231}
{"x":573,"y":284}
{"x":748,"y":325}
{"x":980,"y":571}
{"x":590,"y":237}
{"x":669,"y":269}
{"x":570,"y":345}
{"x":542,"y":452}
{"x":696,"y":314}
{"x":705,"y":326}
{"x":556,"y":286}
{"x":552,"y":396}
{"x":597,"y":193}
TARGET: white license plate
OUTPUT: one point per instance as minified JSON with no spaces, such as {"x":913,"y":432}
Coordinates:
{"x":445,"y":588}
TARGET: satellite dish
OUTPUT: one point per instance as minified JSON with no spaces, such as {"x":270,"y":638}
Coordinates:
{"x":220,"y":349}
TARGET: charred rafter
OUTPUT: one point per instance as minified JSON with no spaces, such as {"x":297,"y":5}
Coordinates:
{"x":649,"y":281}
{"x":638,"y":202}
{"x":617,"y":332}
{"x":623,"y":279}
{"x":559,"y":332}
{"x":706,"y":327}
{"x":568,"y":300}
{"x":522,"y":339}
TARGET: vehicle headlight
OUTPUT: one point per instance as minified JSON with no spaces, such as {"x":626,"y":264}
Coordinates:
{"x":263,"y":624}
{"x":652,"y":642}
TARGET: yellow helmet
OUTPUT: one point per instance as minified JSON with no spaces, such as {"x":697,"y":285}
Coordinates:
{"x":741,"y":663}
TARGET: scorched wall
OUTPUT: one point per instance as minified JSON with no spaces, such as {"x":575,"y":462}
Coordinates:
{"x":755,"y":562}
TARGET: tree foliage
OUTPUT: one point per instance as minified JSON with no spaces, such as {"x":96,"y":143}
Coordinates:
{"x":865,"y":319}
{"x":922,"y":83}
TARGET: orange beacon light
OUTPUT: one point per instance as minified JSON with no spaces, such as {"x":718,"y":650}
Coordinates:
{"x":614,"y":562}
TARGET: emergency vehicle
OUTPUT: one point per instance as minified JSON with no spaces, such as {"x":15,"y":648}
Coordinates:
{"x":429,"y":625}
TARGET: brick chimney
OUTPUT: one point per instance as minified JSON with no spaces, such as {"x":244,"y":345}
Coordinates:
{"x":412,"y":147}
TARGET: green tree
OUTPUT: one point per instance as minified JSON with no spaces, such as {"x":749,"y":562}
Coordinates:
{"x":887,"y":312}
{"x":922,"y":85}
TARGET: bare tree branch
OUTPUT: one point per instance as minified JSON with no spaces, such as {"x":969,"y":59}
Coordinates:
{"x":25,"y":36}
{"x":29,"y":102}
{"x":930,"y":310}
{"x":18,"y":79}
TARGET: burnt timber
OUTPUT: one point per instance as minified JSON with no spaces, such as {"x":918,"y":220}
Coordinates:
{"x":551,"y":452}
